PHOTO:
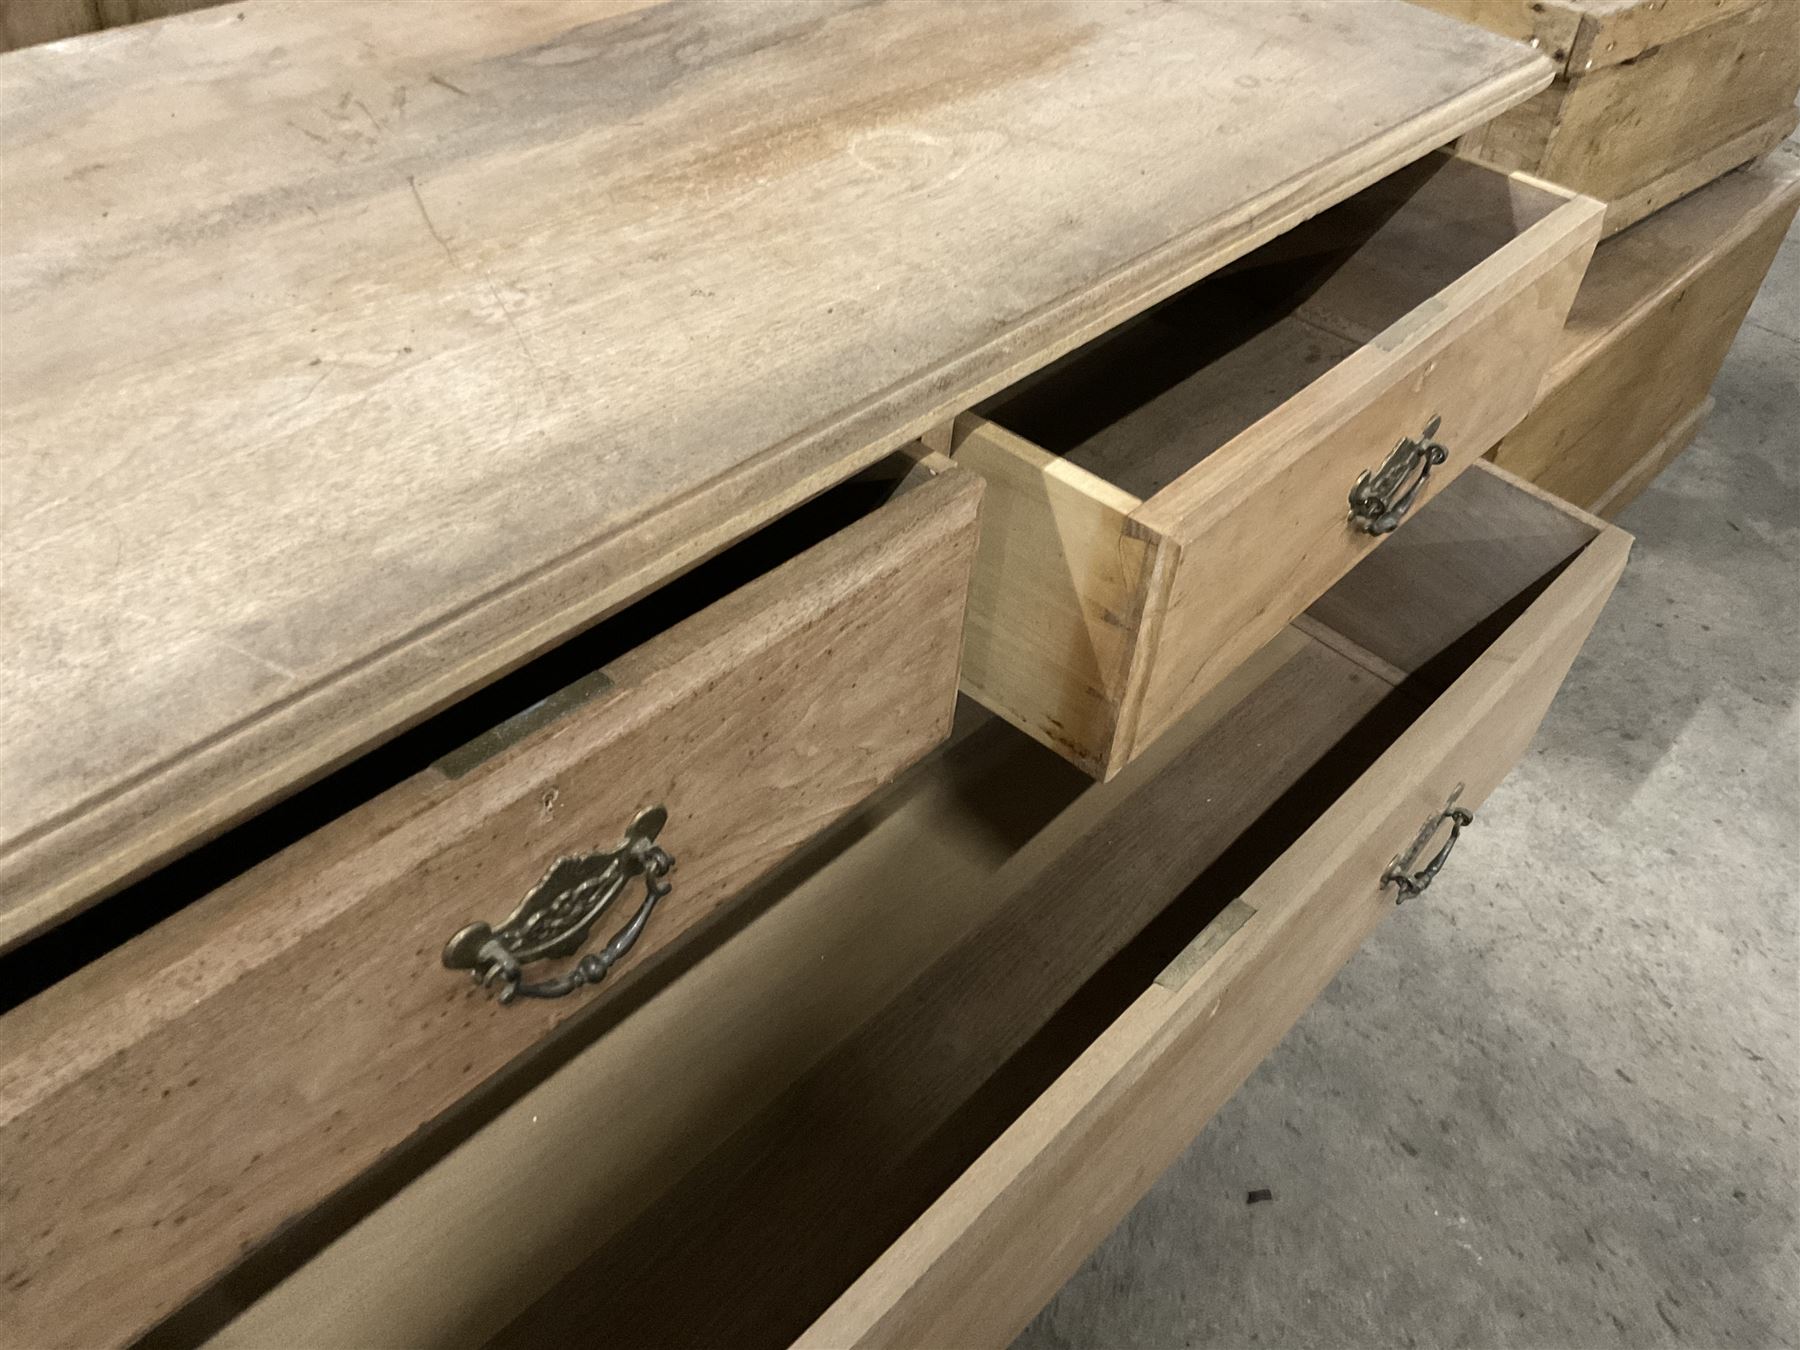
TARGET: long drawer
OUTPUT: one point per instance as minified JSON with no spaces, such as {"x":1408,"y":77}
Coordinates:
{"x":171,"y":1105}
{"x":1162,"y":501}
{"x":969,"y":1027}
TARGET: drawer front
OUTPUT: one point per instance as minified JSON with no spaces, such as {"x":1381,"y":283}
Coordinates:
{"x":994,"y":1247}
{"x":172,"y":1105}
{"x":1097,"y":617}
{"x":1261,"y":529}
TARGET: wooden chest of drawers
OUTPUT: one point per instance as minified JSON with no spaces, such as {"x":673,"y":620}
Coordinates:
{"x":549,"y":509}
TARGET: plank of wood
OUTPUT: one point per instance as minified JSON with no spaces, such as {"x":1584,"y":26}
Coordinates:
{"x":1683,"y":178}
{"x":1473,"y":356}
{"x":369,"y":357}
{"x":758,"y":1239}
{"x":1615,"y":131}
{"x":1017,"y":1222}
{"x":1656,"y":314}
{"x":1631,"y":484}
{"x":1053,"y":608}
{"x":172,"y":1105}
{"x":1616,"y":31}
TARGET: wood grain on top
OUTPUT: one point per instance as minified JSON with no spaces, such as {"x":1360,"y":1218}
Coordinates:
{"x":350,"y":357}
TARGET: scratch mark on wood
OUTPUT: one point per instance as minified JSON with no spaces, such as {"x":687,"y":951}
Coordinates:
{"x":425,"y":215}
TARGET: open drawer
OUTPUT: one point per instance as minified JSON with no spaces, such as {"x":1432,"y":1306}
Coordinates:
{"x":967,"y":1029}
{"x":1164,"y":499}
{"x":179,"y":1099}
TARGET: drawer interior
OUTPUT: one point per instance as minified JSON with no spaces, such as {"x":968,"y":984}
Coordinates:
{"x":1150,"y":399}
{"x":742,"y":1230}
{"x":454,"y":740}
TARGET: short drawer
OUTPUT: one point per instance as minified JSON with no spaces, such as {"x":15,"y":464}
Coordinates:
{"x":970,"y":1026}
{"x":1162,"y":501}
{"x":171,"y":1105}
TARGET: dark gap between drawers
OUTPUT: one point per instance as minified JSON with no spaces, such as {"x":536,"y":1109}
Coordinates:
{"x":54,"y":955}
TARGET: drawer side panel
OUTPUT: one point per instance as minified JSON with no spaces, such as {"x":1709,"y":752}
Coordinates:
{"x":1055,"y":599}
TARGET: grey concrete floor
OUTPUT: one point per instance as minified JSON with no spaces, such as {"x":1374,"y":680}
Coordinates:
{"x":1557,"y":1103}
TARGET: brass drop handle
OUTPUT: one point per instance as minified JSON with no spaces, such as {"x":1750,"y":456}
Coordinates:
{"x":556,"y":915}
{"x":1400,"y":873}
{"x":1381,"y":499}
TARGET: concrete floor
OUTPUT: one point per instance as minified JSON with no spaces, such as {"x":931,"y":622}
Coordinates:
{"x":1557,"y":1103}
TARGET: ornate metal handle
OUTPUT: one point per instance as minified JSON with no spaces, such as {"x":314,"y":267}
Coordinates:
{"x":554,"y":917}
{"x":1377,"y":502}
{"x":1400,"y":872}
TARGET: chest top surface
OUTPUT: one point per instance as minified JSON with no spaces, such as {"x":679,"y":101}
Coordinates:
{"x":350,"y":357}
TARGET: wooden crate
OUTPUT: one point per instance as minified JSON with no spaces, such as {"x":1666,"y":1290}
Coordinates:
{"x":1650,"y":327}
{"x":1655,"y":98}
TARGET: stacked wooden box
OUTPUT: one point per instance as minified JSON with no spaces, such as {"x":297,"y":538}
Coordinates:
{"x":1654,"y":98}
{"x":1661,"y":303}
{"x":1660,"y":110}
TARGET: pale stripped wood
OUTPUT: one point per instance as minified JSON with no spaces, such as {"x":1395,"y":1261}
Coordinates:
{"x":175,"y":1103}
{"x":353,"y":359}
{"x":1650,"y":327}
{"x":1624,"y":128}
{"x":1473,"y":356}
{"x":1631,"y":484}
{"x":1635,"y":132}
{"x":1001,"y":1240}
{"x":1448,"y":303}
{"x":1615,"y":31}
{"x":1053,"y":608}
{"x":1683,"y":178}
